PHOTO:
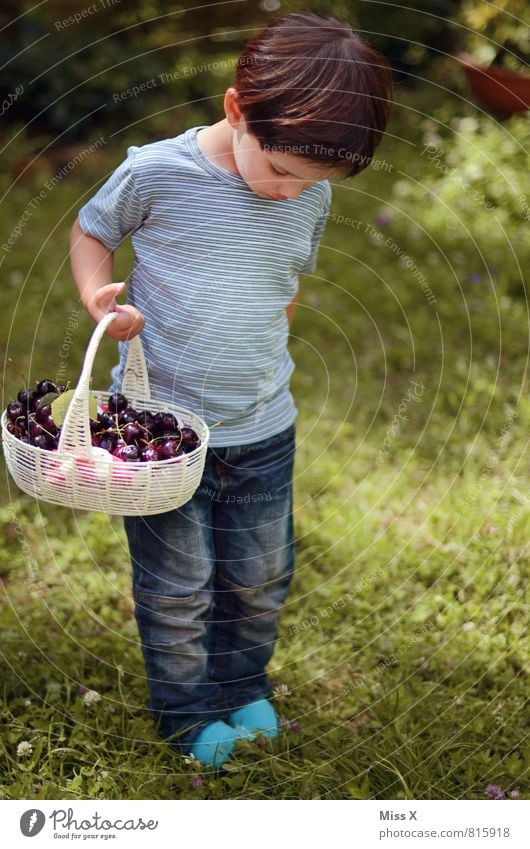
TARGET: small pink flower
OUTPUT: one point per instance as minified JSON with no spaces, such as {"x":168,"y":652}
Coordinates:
{"x":383,"y":218}
{"x":196,"y":781}
{"x":514,"y":794}
{"x":493,"y":791}
{"x":295,"y":727}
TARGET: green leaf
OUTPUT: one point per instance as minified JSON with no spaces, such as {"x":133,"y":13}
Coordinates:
{"x":48,"y":398}
{"x":62,"y":402}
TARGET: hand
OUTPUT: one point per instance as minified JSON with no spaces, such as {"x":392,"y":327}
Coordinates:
{"x":130,"y":321}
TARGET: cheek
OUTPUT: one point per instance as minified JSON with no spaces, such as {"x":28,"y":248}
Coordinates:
{"x":255,"y":172}
{"x":246,"y":164}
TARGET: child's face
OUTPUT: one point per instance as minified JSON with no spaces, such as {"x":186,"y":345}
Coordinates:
{"x":270,"y":173}
{"x":273,"y":174}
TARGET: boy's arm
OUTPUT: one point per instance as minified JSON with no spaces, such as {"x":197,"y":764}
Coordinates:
{"x":291,"y":309}
{"x":102,"y":223}
{"x":311,"y":262}
{"x":92,"y":268}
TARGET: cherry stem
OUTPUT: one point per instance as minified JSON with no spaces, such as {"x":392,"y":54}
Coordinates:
{"x":18,"y":371}
{"x":144,"y":428}
{"x":53,"y":435}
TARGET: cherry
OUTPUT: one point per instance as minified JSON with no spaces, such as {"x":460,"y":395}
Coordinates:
{"x":106,"y":420}
{"x":170,"y":434}
{"x":146,"y":419}
{"x":23,"y":422}
{"x":190,"y":440}
{"x":46,"y":386}
{"x":14,"y":410}
{"x":169,"y":423}
{"x":117,"y":402}
{"x":49,"y":426}
{"x":168,"y":449}
{"x":35,"y":430}
{"x":42,"y":441}
{"x":147,"y":434}
{"x":109,"y":440}
{"x":157,"y":424}
{"x":27,"y":398}
{"x":127,"y":416}
{"x":148,"y":454}
{"x":42,"y":412}
{"x":131,"y":433}
{"x":126,"y":452}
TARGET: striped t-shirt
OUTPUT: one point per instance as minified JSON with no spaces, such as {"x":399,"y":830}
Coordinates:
{"x":215,"y":267}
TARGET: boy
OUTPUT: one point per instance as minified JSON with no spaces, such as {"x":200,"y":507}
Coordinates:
{"x":223,"y":220}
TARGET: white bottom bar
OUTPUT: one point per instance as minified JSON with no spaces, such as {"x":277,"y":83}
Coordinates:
{"x":246,"y":823}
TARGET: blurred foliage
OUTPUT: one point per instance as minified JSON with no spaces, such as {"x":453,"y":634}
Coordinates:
{"x":75,"y":74}
{"x":75,"y":67}
{"x":71,"y":70}
{"x":498,"y":33}
{"x":411,"y":35}
{"x":476,"y":174}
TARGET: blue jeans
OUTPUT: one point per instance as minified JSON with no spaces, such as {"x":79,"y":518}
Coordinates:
{"x":209,"y":582}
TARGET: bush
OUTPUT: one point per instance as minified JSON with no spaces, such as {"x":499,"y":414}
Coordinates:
{"x":61,"y":74}
{"x":479,"y":185}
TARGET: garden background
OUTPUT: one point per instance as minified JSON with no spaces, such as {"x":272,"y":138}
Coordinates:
{"x":402,"y":665}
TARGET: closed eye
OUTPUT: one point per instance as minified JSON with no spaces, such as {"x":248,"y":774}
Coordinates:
{"x":281,"y":173}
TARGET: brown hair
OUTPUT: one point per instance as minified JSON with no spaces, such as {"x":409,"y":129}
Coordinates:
{"x":308,"y":84}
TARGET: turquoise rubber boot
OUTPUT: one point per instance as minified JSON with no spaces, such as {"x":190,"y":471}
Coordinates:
{"x":216,"y":742}
{"x":259,"y":717}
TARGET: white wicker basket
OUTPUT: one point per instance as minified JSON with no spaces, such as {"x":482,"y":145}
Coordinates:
{"x":77,"y":475}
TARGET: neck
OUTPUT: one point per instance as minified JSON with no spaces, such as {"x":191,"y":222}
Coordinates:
{"x":216,"y":143}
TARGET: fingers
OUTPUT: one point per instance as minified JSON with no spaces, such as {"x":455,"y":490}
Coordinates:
{"x":131,"y":315}
{"x":104,"y":298}
{"x":129,"y":323}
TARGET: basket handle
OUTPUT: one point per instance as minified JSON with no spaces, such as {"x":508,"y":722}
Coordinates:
{"x":135,"y":378}
{"x":75,"y":432}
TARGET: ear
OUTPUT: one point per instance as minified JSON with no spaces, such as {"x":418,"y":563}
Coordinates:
{"x":233,"y":113}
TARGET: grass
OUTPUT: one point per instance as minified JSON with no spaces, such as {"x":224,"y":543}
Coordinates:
{"x":402,"y":662}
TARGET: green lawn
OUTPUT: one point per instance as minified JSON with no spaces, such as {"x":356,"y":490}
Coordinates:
{"x":402,"y":665}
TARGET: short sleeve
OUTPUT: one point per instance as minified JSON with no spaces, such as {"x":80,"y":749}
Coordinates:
{"x":117,"y":208}
{"x":311,"y":262}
